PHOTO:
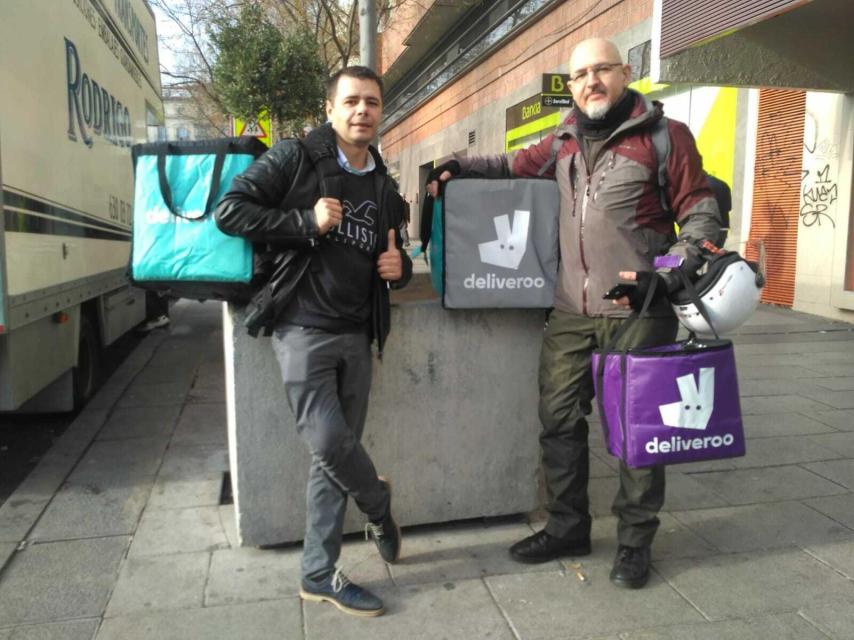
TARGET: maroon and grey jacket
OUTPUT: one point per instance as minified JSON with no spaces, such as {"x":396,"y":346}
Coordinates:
{"x":611,"y":218}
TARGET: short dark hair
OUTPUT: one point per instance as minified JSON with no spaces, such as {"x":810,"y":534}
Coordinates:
{"x":356,"y":71}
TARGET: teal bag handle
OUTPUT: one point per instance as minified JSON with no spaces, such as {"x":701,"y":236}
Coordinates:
{"x":216,"y":177}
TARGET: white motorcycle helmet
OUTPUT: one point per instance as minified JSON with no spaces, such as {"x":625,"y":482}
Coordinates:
{"x":729,"y":290}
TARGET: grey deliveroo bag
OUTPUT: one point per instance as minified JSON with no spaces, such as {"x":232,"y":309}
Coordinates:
{"x":501,"y":243}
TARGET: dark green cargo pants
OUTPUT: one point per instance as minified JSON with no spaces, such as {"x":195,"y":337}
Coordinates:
{"x":566,"y":395}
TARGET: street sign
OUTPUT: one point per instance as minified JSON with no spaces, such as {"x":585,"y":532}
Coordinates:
{"x":253,"y":128}
{"x":257,"y":128}
{"x":556,"y":92}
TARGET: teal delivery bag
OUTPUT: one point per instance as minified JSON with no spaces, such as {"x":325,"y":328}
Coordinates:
{"x":176,"y":246}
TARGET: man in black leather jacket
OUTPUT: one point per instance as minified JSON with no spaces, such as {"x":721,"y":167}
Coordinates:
{"x":329,"y":212}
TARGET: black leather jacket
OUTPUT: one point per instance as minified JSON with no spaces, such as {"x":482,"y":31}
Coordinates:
{"x":272,"y":204}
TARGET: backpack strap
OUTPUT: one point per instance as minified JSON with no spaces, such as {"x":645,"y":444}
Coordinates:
{"x":330,"y":175}
{"x":661,"y":144}
{"x":557,"y":143}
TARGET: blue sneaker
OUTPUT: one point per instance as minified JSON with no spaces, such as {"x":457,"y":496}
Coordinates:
{"x":348,"y":597}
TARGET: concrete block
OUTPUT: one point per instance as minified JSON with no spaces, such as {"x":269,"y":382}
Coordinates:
{"x":834,"y":620}
{"x":178,"y":531}
{"x":69,"y":630}
{"x":786,"y":626}
{"x":278,"y":619}
{"x":92,"y":510}
{"x":158,"y":583}
{"x":769,"y":484}
{"x":140,"y":422}
{"x":453,"y":610}
{"x":542,"y":606}
{"x":840,"y":508}
{"x":740,"y":585}
{"x":46,"y":582}
{"x":763,"y":526}
{"x":452,"y":420}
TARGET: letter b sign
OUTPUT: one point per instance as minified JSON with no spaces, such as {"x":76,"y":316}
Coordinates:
{"x":557,"y":85}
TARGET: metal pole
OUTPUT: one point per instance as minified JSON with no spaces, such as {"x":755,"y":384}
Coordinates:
{"x":368,"y":33}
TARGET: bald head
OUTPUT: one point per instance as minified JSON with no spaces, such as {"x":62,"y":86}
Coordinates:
{"x":598,"y":76}
{"x":591,"y":51}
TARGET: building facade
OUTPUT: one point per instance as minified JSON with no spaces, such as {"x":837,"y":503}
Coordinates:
{"x":468,"y":77}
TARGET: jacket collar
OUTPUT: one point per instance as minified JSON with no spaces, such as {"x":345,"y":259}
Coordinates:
{"x":324,"y":137}
{"x":644,"y":113}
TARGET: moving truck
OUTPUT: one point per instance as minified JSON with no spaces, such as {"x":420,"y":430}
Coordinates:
{"x":79,"y":84}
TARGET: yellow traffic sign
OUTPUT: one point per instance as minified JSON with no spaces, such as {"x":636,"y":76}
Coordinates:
{"x":258,"y":128}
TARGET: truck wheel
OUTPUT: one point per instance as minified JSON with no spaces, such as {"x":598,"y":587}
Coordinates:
{"x":88,"y":359}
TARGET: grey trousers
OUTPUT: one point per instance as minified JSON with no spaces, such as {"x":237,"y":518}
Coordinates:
{"x":566,"y":394}
{"x":327,"y":379}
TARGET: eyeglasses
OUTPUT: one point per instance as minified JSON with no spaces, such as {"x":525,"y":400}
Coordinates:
{"x":597,"y":70}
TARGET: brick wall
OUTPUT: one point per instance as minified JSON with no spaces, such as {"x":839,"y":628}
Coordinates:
{"x":398,"y":27}
{"x":539,"y":49}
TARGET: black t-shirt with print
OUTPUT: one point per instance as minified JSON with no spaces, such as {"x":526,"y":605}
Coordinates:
{"x":335,"y":293}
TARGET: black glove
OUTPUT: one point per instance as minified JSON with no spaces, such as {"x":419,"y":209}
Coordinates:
{"x":451,"y":166}
{"x":645,"y":281}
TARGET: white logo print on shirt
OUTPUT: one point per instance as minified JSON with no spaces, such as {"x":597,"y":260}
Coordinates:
{"x":358,"y":227}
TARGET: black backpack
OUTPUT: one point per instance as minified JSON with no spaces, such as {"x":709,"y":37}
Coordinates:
{"x":720,"y":189}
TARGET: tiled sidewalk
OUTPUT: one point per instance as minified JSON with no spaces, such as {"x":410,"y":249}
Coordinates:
{"x":119,"y":532}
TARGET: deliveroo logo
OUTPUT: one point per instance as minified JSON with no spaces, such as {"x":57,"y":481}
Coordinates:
{"x":694,"y":410}
{"x":509,"y":249}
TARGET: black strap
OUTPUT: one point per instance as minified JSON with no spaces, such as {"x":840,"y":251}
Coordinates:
{"x":607,"y":349}
{"x":216,"y":178}
{"x":330,"y":174}
{"x":695,"y":298}
{"x":661,"y":144}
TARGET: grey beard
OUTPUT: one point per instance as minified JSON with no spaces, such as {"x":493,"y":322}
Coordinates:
{"x":598,"y":111}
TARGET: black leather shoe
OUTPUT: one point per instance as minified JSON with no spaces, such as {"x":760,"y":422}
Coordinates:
{"x":385,"y":532}
{"x":542,"y":547}
{"x":631,"y":567}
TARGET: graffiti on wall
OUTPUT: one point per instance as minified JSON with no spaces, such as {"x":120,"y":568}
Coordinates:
{"x":819,"y":189}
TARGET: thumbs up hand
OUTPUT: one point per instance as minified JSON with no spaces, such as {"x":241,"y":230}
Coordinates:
{"x":390,"y":264}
